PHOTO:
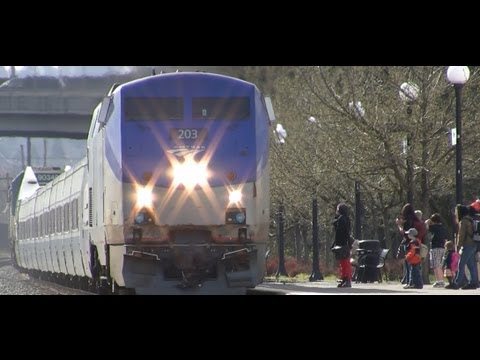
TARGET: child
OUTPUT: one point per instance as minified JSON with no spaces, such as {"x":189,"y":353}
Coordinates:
{"x":414,"y":260}
{"x":450,"y":263}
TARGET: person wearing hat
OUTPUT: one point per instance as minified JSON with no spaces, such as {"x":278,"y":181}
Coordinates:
{"x":476,"y":204}
{"x":414,"y":260}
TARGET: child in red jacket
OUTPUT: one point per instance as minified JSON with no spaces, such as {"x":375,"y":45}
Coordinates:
{"x":414,"y":260}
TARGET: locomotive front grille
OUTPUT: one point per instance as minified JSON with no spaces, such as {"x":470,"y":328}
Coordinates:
{"x":191,"y":237}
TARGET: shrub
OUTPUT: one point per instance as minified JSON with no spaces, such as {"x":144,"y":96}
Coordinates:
{"x":272,"y":266}
{"x":294,"y":267}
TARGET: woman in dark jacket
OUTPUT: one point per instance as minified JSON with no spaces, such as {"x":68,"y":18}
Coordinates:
{"x":467,"y":249}
{"x":342,"y":226}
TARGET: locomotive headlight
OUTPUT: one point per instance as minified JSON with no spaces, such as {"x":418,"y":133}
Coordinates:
{"x":144,"y":197}
{"x":144,"y":217}
{"x":235,"y":196}
{"x":236,"y":216}
{"x":240,"y":218}
{"x":190,"y":173}
{"x":140,"y":218}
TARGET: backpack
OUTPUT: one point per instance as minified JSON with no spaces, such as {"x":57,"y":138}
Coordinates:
{"x":476,"y":229}
{"x":423,"y":251}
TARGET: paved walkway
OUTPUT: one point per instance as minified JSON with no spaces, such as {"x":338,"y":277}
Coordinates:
{"x":330,"y":288}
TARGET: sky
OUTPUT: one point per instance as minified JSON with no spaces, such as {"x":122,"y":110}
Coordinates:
{"x":65,"y":71}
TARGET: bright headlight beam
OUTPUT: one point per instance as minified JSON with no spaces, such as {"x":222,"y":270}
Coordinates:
{"x":144,"y":197}
{"x":235,"y":196}
{"x":190,"y":174}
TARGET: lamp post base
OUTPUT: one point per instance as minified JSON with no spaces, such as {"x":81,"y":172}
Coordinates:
{"x":316,"y":276}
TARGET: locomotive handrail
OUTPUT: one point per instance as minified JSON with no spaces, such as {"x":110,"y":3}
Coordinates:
{"x":135,"y":252}
{"x":232,"y":253}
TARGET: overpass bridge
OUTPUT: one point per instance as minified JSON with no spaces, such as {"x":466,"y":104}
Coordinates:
{"x":49,"y":108}
{"x":45,"y":108}
{"x":28,"y":113}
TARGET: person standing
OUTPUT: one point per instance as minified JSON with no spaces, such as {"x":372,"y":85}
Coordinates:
{"x":405,"y":221}
{"x":467,"y":250}
{"x":474,"y":213}
{"x":450,"y":263}
{"x":423,"y":237}
{"x":414,"y":260}
{"x":437,"y":247}
{"x":342,"y":226}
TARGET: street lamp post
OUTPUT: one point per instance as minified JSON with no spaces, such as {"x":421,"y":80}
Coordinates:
{"x":316,"y":274}
{"x":458,"y":76}
{"x":358,"y":211}
{"x":281,"y":271}
{"x":280,"y":136}
{"x":409,"y":170}
{"x":409,"y":93}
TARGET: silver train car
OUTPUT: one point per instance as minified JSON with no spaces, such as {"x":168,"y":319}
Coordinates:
{"x":172,"y":197}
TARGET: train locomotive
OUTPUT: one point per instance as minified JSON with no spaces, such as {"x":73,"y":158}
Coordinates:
{"x":172,"y":196}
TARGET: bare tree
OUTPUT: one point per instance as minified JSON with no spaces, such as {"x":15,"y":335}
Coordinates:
{"x":348,"y":123}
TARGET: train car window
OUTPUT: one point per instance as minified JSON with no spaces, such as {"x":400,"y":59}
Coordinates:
{"x":221,"y":108}
{"x":58,"y":215}
{"x":48,"y":219}
{"x":153,"y":108}
{"x":45,"y":224}
{"x":66,"y":217}
{"x":75,"y":214}
{"x":52,"y":221}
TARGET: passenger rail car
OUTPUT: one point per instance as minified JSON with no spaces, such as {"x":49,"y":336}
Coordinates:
{"x":171,"y":198}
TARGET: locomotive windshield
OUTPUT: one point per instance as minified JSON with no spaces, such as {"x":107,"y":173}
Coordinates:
{"x":220,"y":108}
{"x":153,"y":108}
